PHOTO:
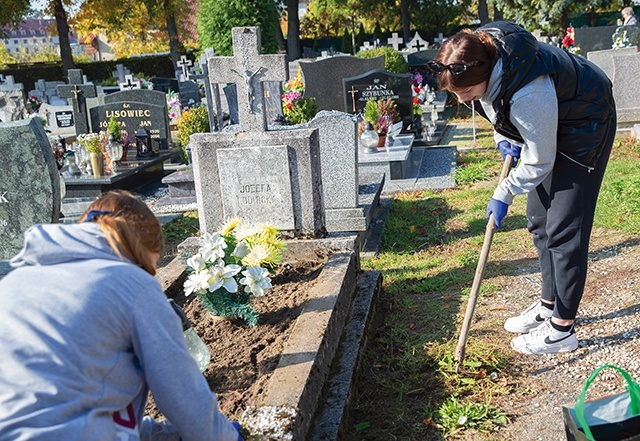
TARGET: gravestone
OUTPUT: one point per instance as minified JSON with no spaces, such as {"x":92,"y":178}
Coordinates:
{"x":231,"y":94}
{"x":211,"y":92}
{"x":604,"y":59}
{"x":78,"y":92}
{"x":121,"y":72}
{"x":145,"y":96}
{"x":251,"y":172}
{"x":189,"y":93}
{"x":379,"y":84}
{"x":323,"y":78}
{"x":183,"y":68}
{"x":594,"y":39}
{"x":29,"y":182}
{"x":625,"y":88}
{"x":338,"y":135}
{"x":12,"y":106}
{"x":9,"y":84}
{"x":417,"y":44}
{"x":395,"y":41}
{"x":165,"y":84}
{"x":132,"y":115}
{"x":130,"y":83}
{"x":59,"y":119}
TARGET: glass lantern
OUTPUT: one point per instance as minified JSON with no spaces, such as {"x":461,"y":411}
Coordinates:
{"x":143,"y":144}
{"x":114,"y":152}
{"x":369,"y":139}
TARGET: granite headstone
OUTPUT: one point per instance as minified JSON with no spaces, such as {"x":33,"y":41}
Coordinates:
{"x":323,"y":77}
{"x":133,"y":115}
{"x":29,"y":182}
{"x":78,"y":92}
{"x":379,"y":84}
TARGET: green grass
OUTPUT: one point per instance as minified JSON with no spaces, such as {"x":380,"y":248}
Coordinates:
{"x":428,"y":256}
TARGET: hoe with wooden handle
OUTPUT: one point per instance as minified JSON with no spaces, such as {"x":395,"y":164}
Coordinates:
{"x":477,"y":279}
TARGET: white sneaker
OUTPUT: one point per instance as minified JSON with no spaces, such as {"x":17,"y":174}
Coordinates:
{"x":545,"y":339}
{"x":529,"y":319}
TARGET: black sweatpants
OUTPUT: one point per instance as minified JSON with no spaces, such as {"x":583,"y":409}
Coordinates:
{"x":560,"y":216}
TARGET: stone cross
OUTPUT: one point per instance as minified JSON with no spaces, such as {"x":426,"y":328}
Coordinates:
{"x":395,"y":41}
{"x":440,"y":39}
{"x":253,"y":68}
{"x":211,"y":92}
{"x":129,"y":83}
{"x":9,"y":84}
{"x":417,"y":44}
{"x":184,"y":64}
{"x":79,"y":93}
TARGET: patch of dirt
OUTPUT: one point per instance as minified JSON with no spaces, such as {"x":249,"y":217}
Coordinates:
{"x":242,"y":357}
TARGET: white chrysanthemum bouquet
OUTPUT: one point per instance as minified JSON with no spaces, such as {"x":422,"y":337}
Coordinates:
{"x":232,"y":267}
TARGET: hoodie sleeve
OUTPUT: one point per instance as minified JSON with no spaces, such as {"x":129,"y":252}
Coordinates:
{"x":534,"y":112}
{"x":179,"y":389}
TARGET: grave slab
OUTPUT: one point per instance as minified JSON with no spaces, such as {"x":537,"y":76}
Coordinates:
{"x":393,"y":161}
{"x":131,"y":175}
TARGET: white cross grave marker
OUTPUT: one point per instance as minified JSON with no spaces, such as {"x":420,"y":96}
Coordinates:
{"x":417,"y":44}
{"x":395,"y":41}
{"x":184,"y":64}
{"x":440,"y":39}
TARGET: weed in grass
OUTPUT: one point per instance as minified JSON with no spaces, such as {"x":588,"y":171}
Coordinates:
{"x":455,"y":415}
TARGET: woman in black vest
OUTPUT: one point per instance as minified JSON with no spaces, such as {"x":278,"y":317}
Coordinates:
{"x":554,"y":113}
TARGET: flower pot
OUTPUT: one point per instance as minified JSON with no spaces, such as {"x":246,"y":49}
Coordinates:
{"x":96,"y":164}
{"x":381,"y":140}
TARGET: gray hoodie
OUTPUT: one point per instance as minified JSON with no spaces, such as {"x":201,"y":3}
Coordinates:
{"x":534,"y":112}
{"x":83,"y":337}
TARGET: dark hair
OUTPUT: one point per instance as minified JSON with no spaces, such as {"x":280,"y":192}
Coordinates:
{"x":130,"y":227}
{"x":466,"y":47}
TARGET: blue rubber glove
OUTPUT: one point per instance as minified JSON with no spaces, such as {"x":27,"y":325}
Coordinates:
{"x":238,"y":427}
{"x":498,"y":209}
{"x":506,"y":148}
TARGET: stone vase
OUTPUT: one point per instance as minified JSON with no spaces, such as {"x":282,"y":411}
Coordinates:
{"x":96,"y":164}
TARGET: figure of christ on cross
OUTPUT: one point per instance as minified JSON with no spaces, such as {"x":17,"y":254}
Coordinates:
{"x":255,"y":68}
{"x":353,"y":92}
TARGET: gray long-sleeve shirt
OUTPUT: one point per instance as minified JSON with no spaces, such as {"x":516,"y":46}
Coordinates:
{"x":83,"y":337}
{"x":534,"y":112}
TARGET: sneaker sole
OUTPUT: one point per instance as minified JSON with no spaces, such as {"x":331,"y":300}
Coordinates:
{"x":548,"y":350}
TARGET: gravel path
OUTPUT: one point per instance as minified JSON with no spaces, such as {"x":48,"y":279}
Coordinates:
{"x":608,"y":327}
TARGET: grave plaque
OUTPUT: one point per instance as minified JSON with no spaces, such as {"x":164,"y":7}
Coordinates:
{"x":60,"y":120}
{"x":380,"y":84}
{"x":272,"y":99}
{"x":29,"y":194}
{"x":64,"y":118}
{"x":256,"y":189}
{"x":132,"y":116}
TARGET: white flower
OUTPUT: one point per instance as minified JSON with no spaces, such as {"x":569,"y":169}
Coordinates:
{"x":212,"y":246}
{"x":197,"y":282}
{"x":222,"y":276}
{"x":256,"y":281}
{"x":196,"y":262}
{"x":243,"y":231}
{"x":241,"y":250}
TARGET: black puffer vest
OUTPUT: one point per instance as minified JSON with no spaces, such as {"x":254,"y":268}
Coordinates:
{"x":585,"y":101}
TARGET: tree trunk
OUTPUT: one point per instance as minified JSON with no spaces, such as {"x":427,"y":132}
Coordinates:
{"x":483,"y":12}
{"x":172,"y":32}
{"x":497,"y":14}
{"x":63,"y":36}
{"x":293,"y":30}
{"x":406,"y":21}
{"x":563,"y":20}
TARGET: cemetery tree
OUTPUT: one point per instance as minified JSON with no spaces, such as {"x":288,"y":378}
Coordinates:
{"x":293,"y":30}
{"x":435,"y":16}
{"x":12,"y":13}
{"x":147,"y":26}
{"x":216,"y":18}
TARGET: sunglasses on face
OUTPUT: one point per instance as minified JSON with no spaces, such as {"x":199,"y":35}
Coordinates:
{"x":454,"y":68}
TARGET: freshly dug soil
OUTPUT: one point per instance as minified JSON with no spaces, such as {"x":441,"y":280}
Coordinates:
{"x":243,"y":357}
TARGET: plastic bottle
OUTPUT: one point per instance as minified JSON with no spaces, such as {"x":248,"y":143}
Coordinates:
{"x":198,"y":350}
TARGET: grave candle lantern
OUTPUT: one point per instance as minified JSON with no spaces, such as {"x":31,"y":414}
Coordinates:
{"x":143,"y":143}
